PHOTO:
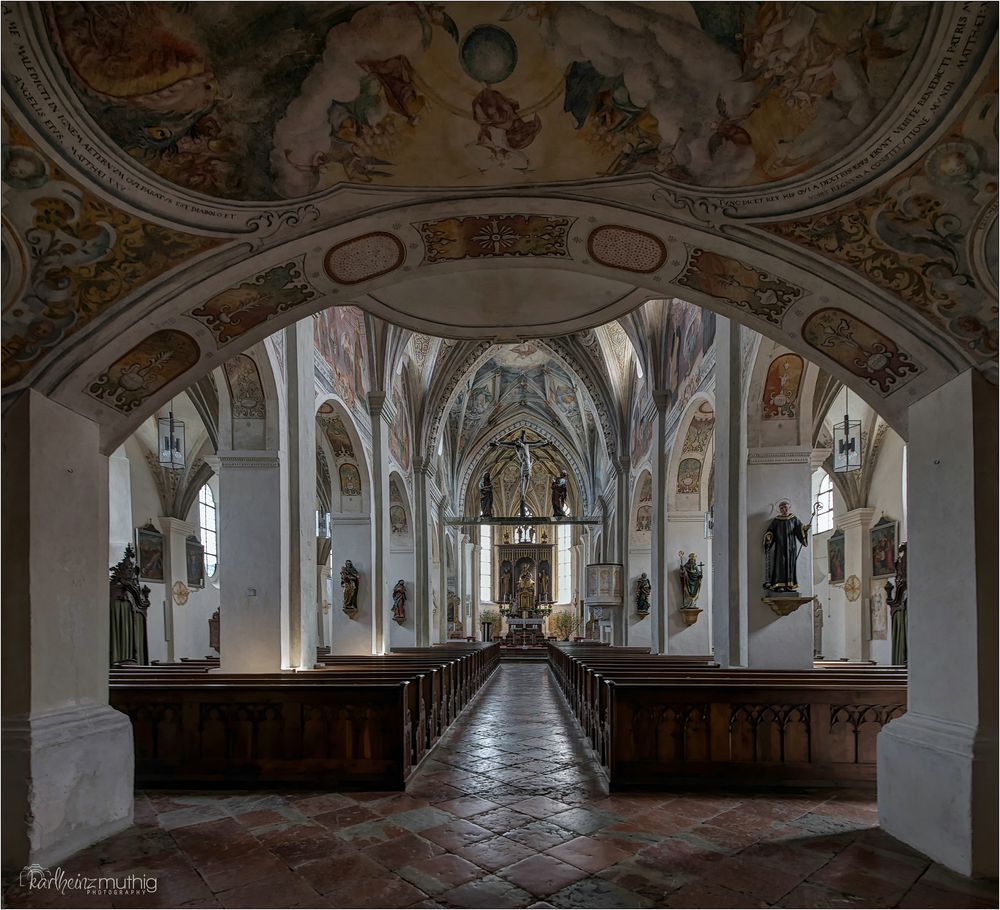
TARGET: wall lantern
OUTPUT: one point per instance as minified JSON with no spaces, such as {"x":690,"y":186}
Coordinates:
{"x":171,"y":433}
{"x":323,"y":530}
{"x":847,"y":443}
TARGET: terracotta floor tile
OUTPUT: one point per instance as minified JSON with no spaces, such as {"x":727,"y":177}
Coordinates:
{"x":588,"y":853}
{"x":707,"y":894}
{"x":540,"y":807}
{"x":488,"y":892}
{"x":325,"y":874}
{"x":540,"y":835}
{"x":921,"y":895}
{"x":542,"y":875}
{"x":439,"y":873}
{"x":277,"y":891}
{"x":402,"y":851}
{"x":456,"y":834}
{"x":502,"y":820}
{"x":495,"y":853}
{"x":467,"y":806}
{"x":388,"y":890}
{"x":597,"y":892}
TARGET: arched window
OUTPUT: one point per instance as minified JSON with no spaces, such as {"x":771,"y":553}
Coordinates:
{"x":485,"y":564}
{"x":209,"y":529}
{"x":823,"y":487}
{"x":564,"y":563}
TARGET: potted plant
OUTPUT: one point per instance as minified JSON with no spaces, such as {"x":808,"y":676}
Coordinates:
{"x":565,"y":624}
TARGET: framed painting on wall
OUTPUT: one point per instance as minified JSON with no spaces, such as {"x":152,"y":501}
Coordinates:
{"x":835,"y":551}
{"x":195,"y":557}
{"x":149,"y":546}
{"x":884,"y":548}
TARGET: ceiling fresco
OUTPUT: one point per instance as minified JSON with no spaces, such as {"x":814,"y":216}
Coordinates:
{"x":265,"y":101}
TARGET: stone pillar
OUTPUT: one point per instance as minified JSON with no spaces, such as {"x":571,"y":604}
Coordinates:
{"x":441,"y":630}
{"x":175,"y":535}
{"x":67,"y":756}
{"x":856,"y":525}
{"x":937,"y":765}
{"x":253,"y":635}
{"x":301,"y":616}
{"x":729,"y":581}
{"x":773,"y":474}
{"x":324,"y":603}
{"x":660,"y":548}
{"x":422,"y":599}
{"x":476,"y":551}
{"x":120,"y":524}
{"x":383,"y":413}
{"x":623,"y":509}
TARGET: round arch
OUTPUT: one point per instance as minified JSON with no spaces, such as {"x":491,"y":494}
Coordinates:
{"x":785,"y":293}
{"x":692,"y":446}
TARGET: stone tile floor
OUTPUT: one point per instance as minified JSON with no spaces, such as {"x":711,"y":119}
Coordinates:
{"x":508,"y":812}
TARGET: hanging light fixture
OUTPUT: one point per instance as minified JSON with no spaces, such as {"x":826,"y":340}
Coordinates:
{"x":847,"y":442}
{"x":171,"y":433}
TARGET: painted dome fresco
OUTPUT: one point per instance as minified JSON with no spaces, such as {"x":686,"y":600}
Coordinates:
{"x":271,"y":101}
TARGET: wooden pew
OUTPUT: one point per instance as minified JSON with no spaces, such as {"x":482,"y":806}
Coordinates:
{"x":655,"y":724}
{"x":360,"y":723}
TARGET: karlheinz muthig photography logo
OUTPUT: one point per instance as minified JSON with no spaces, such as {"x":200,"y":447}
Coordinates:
{"x":38,"y":878}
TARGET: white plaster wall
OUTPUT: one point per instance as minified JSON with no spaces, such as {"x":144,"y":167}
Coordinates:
{"x":777,"y":642}
{"x":402,"y":564}
{"x":352,"y":539}
{"x":639,"y":561}
{"x":687,"y":533}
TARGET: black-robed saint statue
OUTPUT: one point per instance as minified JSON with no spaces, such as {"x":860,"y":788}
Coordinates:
{"x":486,"y":496}
{"x":784,"y":538}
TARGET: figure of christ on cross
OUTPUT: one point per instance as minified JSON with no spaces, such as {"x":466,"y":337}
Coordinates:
{"x":523,"y":449}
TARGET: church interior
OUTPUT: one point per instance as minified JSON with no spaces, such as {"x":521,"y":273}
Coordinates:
{"x":500,"y":454}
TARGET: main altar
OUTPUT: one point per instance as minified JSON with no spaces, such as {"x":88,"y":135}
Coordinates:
{"x":524,"y":586}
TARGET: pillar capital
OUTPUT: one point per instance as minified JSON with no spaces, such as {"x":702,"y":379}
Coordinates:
{"x":380,"y":406}
{"x":423,"y":464}
{"x":248,"y":461}
{"x":819,"y":456}
{"x":856,"y":518}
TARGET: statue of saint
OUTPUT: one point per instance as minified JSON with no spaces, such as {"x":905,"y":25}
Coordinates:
{"x":349,"y":580}
{"x":896,"y":598}
{"x":559,"y":495}
{"x":506,"y":583}
{"x":486,"y":496}
{"x":399,"y":601}
{"x":523,"y":449}
{"x":691,"y":575}
{"x":544,"y":593}
{"x":643,"y":589}
{"x":784,"y":539}
{"x":525,"y":591}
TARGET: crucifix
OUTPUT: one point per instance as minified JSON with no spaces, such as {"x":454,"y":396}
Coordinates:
{"x":523,"y":449}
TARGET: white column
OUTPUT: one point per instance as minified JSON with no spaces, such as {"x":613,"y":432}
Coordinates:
{"x":474,"y":577}
{"x":623,"y":510}
{"x":121,"y":530}
{"x":422,"y":600}
{"x":252,"y":633}
{"x":301,"y":631}
{"x":383,"y":414}
{"x":67,"y":767}
{"x":773,"y":474}
{"x":660,"y":547}
{"x":856,"y":525}
{"x":324,"y":603}
{"x":937,"y":765}
{"x":442,"y":623}
{"x":729,"y":580}
{"x":175,"y":535}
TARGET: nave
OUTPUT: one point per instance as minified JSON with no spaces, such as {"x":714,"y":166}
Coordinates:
{"x":510,"y":810}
